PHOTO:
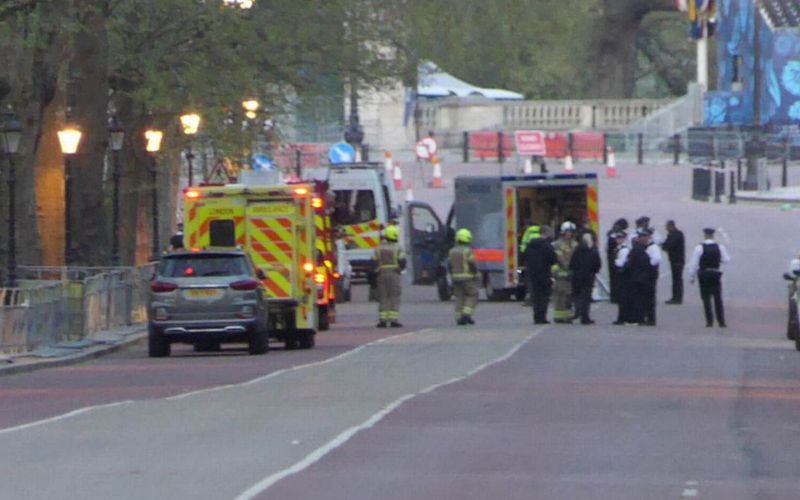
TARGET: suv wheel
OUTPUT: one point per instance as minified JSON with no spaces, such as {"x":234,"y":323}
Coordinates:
{"x":157,"y":345}
{"x":323,"y":317}
{"x":306,"y":339}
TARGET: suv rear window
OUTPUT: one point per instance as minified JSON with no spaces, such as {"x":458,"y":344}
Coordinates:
{"x":199,"y":265}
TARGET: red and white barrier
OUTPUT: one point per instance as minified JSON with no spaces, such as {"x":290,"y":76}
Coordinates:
{"x":436,"y":181}
{"x":398,"y":177}
{"x":611,"y":163}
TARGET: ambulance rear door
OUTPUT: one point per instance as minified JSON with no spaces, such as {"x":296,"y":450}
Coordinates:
{"x":273,"y":243}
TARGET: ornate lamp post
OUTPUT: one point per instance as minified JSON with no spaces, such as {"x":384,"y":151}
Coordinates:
{"x":251,"y":107}
{"x":190,"y":122}
{"x":153,"y":137}
{"x":10,"y":135}
{"x":69,"y":138}
{"x":242,"y":4}
{"x":117,"y":135}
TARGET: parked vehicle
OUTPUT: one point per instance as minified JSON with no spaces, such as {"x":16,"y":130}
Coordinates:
{"x":793,"y":320}
{"x":206,"y":298}
{"x":274,"y":224}
{"x":497,"y":211}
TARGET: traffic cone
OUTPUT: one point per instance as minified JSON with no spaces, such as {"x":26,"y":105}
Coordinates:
{"x":436,"y":181}
{"x":398,"y":177}
{"x":528,"y":168}
{"x":409,"y":194}
{"x":611,"y":164}
{"x":388,"y":163}
{"x":568,"y":167}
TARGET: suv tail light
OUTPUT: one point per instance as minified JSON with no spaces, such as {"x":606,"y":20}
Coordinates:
{"x":163,"y":287}
{"x":245,"y":285}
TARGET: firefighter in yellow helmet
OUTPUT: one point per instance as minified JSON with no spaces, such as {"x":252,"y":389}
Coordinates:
{"x":389,"y":261}
{"x":461,"y":263}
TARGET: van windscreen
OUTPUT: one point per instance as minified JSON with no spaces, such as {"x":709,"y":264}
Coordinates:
{"x":353,"y":206}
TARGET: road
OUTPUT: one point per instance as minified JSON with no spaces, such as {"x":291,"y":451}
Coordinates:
{"x":501,"y":409}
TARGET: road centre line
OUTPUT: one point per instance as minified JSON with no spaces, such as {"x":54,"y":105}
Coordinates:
{"x":73,"y":413}
{"x":345,"y":436}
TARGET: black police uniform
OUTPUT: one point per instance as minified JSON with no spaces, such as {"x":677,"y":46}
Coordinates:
{"x":675,"y":247}
{"x":709,"y":276}
{"x":539,"y":259}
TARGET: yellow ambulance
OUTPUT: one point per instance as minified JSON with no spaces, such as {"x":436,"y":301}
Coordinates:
{"x":275,"y":225}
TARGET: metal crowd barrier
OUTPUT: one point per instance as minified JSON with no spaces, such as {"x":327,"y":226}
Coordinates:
{"x":56,"y":304}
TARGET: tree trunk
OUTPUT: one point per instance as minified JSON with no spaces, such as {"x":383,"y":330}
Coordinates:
{"x":615,"y":43}
{"x":91,"y":238}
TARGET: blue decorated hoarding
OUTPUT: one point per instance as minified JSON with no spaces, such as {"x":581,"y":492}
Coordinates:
{"x":732,"y":104}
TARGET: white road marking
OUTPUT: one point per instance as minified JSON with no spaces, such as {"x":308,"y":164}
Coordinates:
{"x":319,"y":453}
{"x":690,"y":489}
{"x":64,"y":416}
{"x":87,"y":409}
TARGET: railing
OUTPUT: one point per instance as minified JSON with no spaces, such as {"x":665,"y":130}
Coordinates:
{"x":58,"y":304}
{"x":675,"y":118}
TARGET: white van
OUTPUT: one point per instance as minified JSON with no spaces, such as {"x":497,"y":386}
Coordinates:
{"x":365,"y":203}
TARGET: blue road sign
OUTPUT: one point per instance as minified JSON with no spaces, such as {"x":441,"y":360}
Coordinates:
{"x":261,"y":162}
{"x":341,"y":152}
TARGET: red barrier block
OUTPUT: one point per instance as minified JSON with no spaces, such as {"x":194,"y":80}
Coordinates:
{"x":484,"y":144}
{"x":587,"y":145}
{"x":556,"y":144}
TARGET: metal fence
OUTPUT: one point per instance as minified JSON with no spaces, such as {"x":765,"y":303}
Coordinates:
{"x":55,"y":304}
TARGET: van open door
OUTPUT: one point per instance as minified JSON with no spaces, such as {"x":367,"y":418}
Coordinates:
{"x":425,"y":242}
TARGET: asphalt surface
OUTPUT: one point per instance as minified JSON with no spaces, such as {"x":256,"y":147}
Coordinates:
{"x":434,"y":411}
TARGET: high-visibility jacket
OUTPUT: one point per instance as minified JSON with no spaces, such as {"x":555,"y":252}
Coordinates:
{"x":531,"y":233}
{"x":388,"y":256}
{"x":462,"y":263}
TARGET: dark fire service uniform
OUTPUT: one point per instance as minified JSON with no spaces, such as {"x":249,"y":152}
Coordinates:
{"x":540,"y":257}
{"x":389,"y":261}
{"x":464,"y":272}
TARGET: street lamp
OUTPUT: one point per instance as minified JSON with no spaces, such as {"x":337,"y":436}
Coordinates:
{"x":190,"y":122}
{"x":242,"y":4}
{"x":10,"y":135}
{"x":251,"y":107}
{"x":153,"y":146}
{"x":69,"y":138}
{"x":117,"y":134}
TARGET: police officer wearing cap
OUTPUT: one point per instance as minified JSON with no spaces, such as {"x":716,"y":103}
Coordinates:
{"x":611,"y":253}
{"x":644,"y":260}
{"x":706,"y":265}
{"x":464,"y":271}
{"x":389,"y":261}
{"x":626,"y":312}
{"x":539,"y":258}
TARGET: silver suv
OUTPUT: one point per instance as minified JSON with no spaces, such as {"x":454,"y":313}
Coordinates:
{"x":206,"y":298}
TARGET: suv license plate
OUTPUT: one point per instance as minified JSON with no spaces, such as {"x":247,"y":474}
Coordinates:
{"x":203,"y":293}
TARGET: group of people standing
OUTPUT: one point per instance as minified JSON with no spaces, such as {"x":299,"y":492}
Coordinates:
{"x":636,"y":261}
{"x":564,"y":269}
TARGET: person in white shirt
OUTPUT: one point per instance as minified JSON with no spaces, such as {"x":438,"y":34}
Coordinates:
{"x":706,"y":265}
{"x":643,"y":261}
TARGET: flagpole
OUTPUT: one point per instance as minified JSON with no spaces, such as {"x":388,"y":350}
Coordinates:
{"x":702,"y":53}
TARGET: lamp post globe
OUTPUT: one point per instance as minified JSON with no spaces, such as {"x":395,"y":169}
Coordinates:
{"x":190,"y":123}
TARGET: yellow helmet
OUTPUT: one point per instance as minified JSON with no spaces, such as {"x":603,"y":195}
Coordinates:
{"x":463,"y":236}
{"x":391,"y":233}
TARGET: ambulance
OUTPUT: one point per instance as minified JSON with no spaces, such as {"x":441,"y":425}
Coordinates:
{"x":497,"y":210}
{"x":275,"y":225}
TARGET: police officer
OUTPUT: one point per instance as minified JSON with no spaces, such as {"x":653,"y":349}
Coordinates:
{"x":676,"y":251}
{"x":564,"y":246}
{"x":644,"y":260}
{"x":584,"y":266}
{"x":706,"y":264}
{"x":626,"y":312}
{"x":464,"y":272}
{"x":611,"y":254}
{"x":389,"y":261}
{"x":539,"y":259}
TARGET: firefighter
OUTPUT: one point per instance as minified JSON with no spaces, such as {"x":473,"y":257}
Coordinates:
{"x":562,"y":290}
{"x":176,"y":240}
{"x":464,"y":271}
{"x":389,"y":261}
